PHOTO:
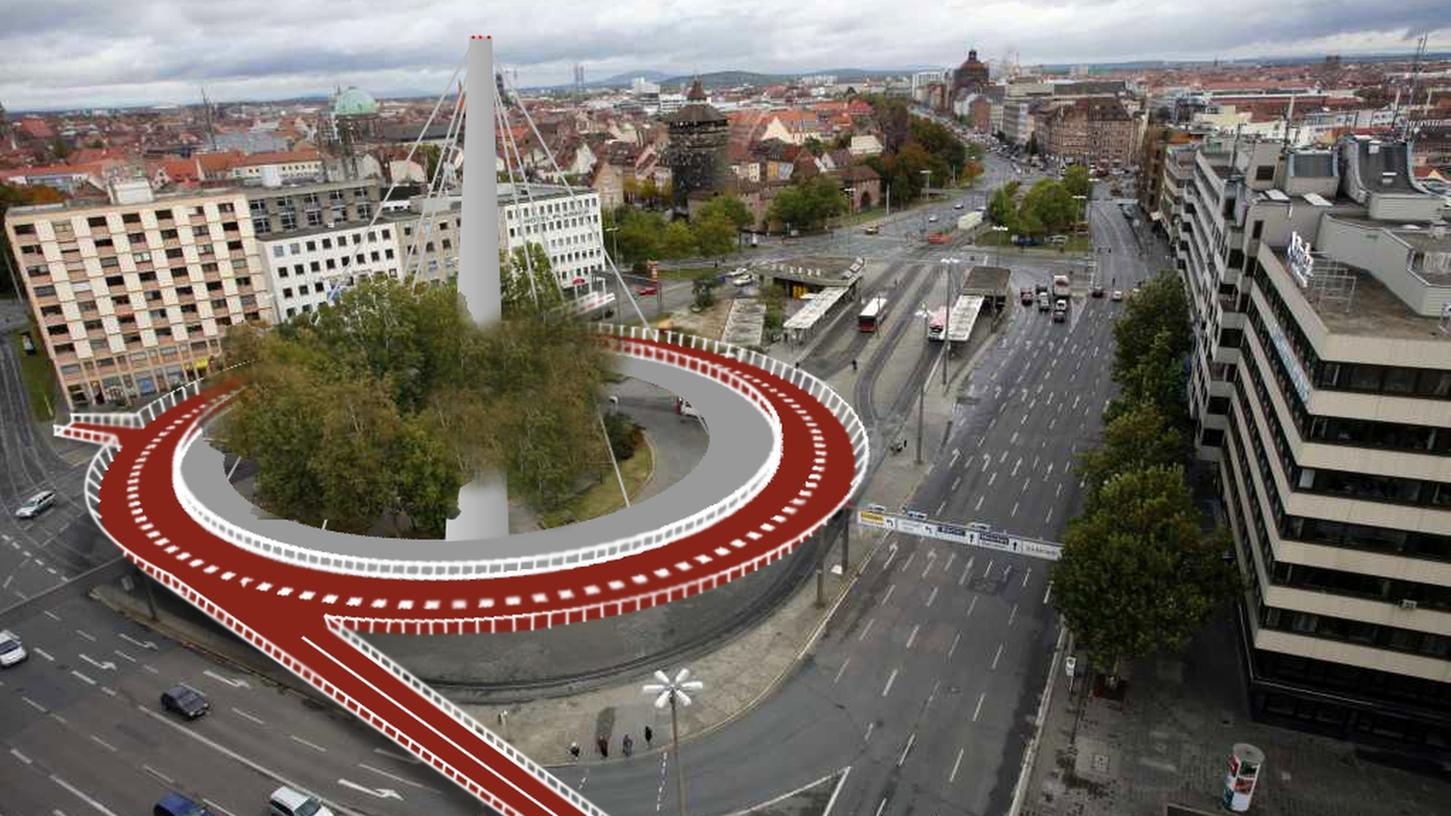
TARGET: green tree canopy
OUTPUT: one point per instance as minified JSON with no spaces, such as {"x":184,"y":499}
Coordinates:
{"x":1002,"y":207}
{"x":1076,"y":180}
{"x":807,"y":204}
{"x":1137,"y":574}
{"x":730,"y":208}
{"x":1139,"y":437}
{"x":521,"y":293}
{"x":677,"y":241}
{"x":1049,"y":207}
{"x":714,"y":235}
{"x":390,"y":399}
{"x":1159,"y":307}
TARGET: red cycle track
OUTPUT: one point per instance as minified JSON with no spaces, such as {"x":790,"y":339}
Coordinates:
{"x":306,"y":619}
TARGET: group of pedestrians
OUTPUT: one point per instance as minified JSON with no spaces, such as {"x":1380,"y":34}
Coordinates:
{"x":602,"y":744}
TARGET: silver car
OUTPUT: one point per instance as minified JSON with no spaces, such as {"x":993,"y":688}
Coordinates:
{"x":36,"y":504}
{"x":288,"y":802}
{"x":11,"y":652}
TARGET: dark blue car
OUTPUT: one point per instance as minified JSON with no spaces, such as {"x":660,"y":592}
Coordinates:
{"x":174,"y":804}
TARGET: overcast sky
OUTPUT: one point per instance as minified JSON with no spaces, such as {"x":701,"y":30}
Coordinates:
{"x":66,"y":53}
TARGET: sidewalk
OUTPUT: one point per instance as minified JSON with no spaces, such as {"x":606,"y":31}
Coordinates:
{"x":1169,"y":742}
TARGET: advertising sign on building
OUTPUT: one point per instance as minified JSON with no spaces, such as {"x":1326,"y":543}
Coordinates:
{"x":1302,"y":263}
{"x":870,"y":519}
{"x":1298,"y":377}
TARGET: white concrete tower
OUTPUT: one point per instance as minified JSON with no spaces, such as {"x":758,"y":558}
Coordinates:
{"x":484,"y":502}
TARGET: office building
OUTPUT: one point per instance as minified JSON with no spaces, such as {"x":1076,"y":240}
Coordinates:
{"x":1321,"y":386}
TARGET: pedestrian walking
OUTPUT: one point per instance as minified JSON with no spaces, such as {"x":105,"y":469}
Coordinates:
{"x":649,"y":735}
{"x":853,"y":365}
{"x":574,"y":750}
{"x":628,"y":744}
{"x":603,"y":743}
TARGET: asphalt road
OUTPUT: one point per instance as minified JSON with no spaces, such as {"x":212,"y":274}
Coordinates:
{"x":926,"y":680}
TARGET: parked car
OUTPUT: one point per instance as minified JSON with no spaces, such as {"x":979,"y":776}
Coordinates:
{"x":174,"y":804}
{"x":287,"y":802}
{"x":35,"y":505}
{"x":647,"y":290}
{"x":186,"y":701}
{"x":957,"y":206}
{"x":872,"y":230}
{"x":11,"y":651}
{"x":916,"y":514}
{"x":743,"y":278}
{"x":1118,"y":294}
{"x":932,"y":219}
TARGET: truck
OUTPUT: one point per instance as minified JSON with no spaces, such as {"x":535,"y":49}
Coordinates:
{"x":1061,"y":286}
{"x":970,"y":220}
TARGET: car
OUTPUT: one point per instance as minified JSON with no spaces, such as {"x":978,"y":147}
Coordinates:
{"x":872,"y":230}
{"x":932,"y":219}
{"x":1097,"y":290}
{"x":647,"y":290}
{"x":288,"y":802}
{"x":186,"y":701}
{"x":916,"y":514}
{"x":1059,"y":315}
{"x":1058,"y":239}
{"x":1026,"y":296}
{"x":957,"y":206}
{"x":743,"y":278}
{"x":979,"y":526}
{"x":174,"y":804}
{"x":876,"y":508}
{"x":35,"y":505}
{"x":1118,"y":294}
{"x":11,"y":650}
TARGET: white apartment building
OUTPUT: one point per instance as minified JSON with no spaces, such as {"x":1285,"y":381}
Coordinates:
{"x":568,"y":229}
{"x":1321,"y":386}
{"x":309,"y":268}
{"x":133,"y":296}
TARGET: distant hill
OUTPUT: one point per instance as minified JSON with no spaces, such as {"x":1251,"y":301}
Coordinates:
{"x":623,"y":80}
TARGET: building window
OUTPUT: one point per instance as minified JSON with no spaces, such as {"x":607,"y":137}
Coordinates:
{"x":278,"y":250}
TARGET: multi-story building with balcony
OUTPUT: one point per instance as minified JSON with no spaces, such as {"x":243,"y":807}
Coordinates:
{"x":133,"y":296}
{"x":1321,"y":386}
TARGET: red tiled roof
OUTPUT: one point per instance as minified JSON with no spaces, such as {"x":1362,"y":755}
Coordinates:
{"x":280,"y":157}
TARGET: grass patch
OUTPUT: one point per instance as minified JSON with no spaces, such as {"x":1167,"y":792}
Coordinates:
{"x":39,"y":377}
{"x":604,"y":498}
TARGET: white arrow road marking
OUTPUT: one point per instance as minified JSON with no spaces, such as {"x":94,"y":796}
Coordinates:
{"x":145,"y":644}
{"x":381,"y":793}
{"x":104,"y":665}
{"x":238,"y":683}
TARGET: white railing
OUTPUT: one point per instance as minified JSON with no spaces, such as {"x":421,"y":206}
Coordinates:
{"x":463,"y":719}
{"x":491,"y":567}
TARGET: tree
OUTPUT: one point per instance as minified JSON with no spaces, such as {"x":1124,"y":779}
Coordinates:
{"x":714,"y":235}
{"x":1159,"y":307}
{"x":639,"y":235}
{"x":1076,"y":181}
{"x":623,"y":433}
{"x":1049,"y":205}
{"x":677,"y":241}
{"x":649,"y":192}
{"x":523,"y":292}
{"x":1137,"y":574}
{"x":814,"y":146}
{"x":13,"y":195}
{"x":731,"y":208}
{"x":703,"y":287}
{"x":1157,"y":379}
{"x":1137,"y":438}
{"x":1002,"y":208}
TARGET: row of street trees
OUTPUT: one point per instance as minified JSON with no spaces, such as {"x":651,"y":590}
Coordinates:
{"x":1049,"y":206}
{"x":380,"y":407}
{"x":1138,"y":572}
{"x":644,"y":235}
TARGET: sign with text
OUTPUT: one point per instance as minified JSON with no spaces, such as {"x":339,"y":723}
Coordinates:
{"x":1302,"y":262}
{"x":959,"y":534}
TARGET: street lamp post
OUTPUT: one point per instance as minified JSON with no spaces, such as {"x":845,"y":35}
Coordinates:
{"x":614,"y":244}
{"x":926,"y":188}
{"x":674,"y":692}
{"x":950,"y":265}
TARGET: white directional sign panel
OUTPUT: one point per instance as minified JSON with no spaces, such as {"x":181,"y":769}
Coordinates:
{"x":973,"y":536}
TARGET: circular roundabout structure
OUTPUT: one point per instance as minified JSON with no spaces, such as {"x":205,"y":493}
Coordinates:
{"x":786,"y":453}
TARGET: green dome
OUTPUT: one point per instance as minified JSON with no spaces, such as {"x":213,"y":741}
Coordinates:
{"x":354,"y":102}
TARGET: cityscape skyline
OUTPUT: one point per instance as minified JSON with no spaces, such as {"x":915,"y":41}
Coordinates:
{"x":276,"y":53}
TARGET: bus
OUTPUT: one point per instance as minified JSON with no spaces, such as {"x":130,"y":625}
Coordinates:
{"x":937,"y":324}
{"x":871,"y":317}
{"x":1061,"y":286}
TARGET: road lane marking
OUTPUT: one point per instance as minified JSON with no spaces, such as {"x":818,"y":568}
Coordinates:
{"x":1013,"y":614}
{"x":866,"y":629}
{"x":52,"y":615}
{"x":892,"y":678}
{"x":839,"y":671}
{"x":1048,"y":519}
{"x":82,"y":795}
{"x":43,"y":653}
{"x":1014,"y":514}
{"x":940,"y":506}
{"x":953,"y":647}
{"x":15,"y":752}
{"x":33,"y":704}
{"x":979,"y":502}
{"x":903,"y":758}
{"x":108,"y":746}
{"x":992,"y":477}
{"x":379,"y":771}
{"x":888,"y":596}
{"x":88,"y":681}
{"x":1047,"y":592}
{"x":931,"y":596}
{"x":124,"y":656}
{"x":908,"y":562}
{"x":951,"y":556}
{"x":870,"y":727}
{"x":913,"y":637}
{"x":952,"y":777}
{"x":87,"y":635}
{"x":314,"y":746}
{"x":1025,"y":577}
{"x":244,"y":715}
{"x":996,"y":657}
{"x":978,"y":710}
{"x":971,"y":606}
{"x":158,"y":774}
